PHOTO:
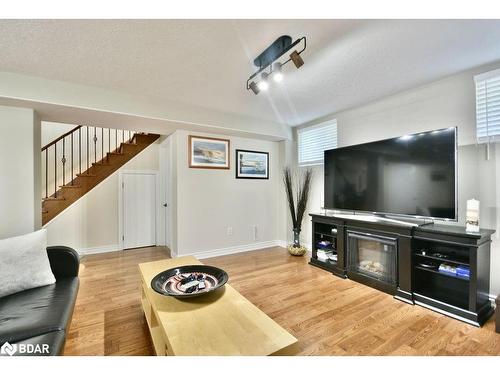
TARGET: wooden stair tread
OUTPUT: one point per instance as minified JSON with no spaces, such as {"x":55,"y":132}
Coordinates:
{"x":70,"y":186}
{"x":99,"y":163}
{"x":48,"y":199}
{"x":85,"y":175}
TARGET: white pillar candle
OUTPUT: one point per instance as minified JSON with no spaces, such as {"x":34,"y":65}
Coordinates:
{"x":472,"y":216}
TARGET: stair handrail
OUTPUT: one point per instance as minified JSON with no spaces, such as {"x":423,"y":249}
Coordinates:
{"x":127,"y":136}
{"x":60,"y":137}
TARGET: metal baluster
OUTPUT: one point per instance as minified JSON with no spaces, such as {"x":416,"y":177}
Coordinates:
{"x":55,"y":170}
{"x":72,"y":159}
{"x":87,"y":150}
{"x":109,"y":141}
{"x":102,"y":145}
{"x":95,"y":147}
{"x":47,"y":172}
{"x":80,"y":148}
{"x":63,"y":160}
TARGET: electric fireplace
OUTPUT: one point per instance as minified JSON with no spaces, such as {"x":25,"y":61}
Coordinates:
{"x":373,"y":258}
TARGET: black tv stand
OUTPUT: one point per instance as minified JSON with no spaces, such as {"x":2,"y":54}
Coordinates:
{"x":407,"y":261}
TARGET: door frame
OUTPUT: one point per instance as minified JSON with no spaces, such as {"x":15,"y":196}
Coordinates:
{"x":120,"y":202}
{"x":166,"y":234}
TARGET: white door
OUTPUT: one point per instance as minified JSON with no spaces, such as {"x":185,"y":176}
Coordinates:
{"x":139,"y":204}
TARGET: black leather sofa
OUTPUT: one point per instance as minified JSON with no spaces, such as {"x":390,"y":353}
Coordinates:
{"x":43,"y":315}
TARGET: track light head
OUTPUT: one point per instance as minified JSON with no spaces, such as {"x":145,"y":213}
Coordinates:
{"x":263,"y":84}
{"x":297,"y":60}
{"x":270,"y":65}
{"x":253,"y":86}
{"x":277,"y":74}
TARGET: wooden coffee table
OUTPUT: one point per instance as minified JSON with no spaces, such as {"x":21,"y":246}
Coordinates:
{"x":220,"y":323}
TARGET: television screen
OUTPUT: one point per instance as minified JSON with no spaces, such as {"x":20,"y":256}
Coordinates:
{"x":410,"y":175}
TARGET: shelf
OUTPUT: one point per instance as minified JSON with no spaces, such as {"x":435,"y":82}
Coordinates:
{"x":443,"y":260}
{"x":441,"y":273}
{"x":327,"y":261}
{"x":325,"y":234}
{"x":325,"y":264}
{"x":333,"y":250}
{"x":460,"y":300}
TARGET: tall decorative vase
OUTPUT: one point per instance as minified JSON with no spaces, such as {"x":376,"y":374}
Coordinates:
{"x":296,"y":238}
{"x":297,"y":186}
{"x":295,"y":248}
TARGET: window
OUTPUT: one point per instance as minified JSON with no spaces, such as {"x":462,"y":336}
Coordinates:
{"x":314,"y":140}
{"x":488,"y":106}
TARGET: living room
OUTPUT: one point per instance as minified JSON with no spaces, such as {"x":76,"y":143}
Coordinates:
{"x":249,"y":187}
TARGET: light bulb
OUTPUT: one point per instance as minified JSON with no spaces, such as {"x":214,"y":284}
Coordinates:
{"x":277,"y":77}
{"x":277,"y":74}
{"x":263,"y":84}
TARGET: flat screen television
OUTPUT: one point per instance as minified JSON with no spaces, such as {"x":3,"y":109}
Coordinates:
{"x":413,"y":175}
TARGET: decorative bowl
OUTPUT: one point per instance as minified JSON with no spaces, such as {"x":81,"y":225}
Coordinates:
{"x":189,"y":281}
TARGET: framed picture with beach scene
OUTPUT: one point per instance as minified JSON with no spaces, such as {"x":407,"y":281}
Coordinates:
{"x":206,"y":152}
{"x":252,"y":164}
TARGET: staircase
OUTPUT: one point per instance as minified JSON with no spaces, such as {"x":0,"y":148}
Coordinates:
{"x":77,"y":161}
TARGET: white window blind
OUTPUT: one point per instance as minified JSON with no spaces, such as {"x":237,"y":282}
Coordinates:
{"x":488,"y":106}
{"x":314,"y":140}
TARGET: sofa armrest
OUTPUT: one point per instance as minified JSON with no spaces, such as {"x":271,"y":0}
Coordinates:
{"x":64,"y":261}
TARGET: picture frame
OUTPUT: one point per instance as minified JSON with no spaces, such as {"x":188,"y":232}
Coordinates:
{"x":252,"y":164}
{"x":208,"y":152}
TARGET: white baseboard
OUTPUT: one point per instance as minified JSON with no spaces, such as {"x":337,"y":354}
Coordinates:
{"x":281,"y":243}
{"x":233,"y":249}
{"x":98,"y":249}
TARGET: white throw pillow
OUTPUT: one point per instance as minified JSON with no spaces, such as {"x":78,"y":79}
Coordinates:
{"x":24,"y":263}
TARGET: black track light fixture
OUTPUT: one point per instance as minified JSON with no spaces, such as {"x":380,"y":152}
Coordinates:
{"x":253,"y":86}
{"x":268,"y":59}
{"x":297,"y":60}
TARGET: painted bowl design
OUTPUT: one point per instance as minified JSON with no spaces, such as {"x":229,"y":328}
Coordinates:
{"x":189,"y":281}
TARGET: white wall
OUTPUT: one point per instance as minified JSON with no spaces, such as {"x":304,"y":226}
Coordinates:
{"x":91,"y":223}
{"x":20,"y":206}
{"x":445,"y":103}
{"x":209,"y":201}
{"x":74,"y":103}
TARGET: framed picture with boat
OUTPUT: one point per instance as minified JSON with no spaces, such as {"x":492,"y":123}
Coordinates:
{"x":252,"y":164}
{"x":206,"y":152}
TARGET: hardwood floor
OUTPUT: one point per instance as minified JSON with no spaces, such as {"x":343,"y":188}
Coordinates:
{"x":328,"y":315}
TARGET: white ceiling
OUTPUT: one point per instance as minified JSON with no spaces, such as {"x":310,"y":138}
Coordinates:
{"x":205,"y":63}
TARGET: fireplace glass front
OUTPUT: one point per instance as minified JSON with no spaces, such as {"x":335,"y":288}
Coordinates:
{"x":373,"y":256}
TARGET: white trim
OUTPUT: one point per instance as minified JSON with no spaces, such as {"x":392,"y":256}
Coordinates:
{"x":166,"y":179}
{"x":318,"y":125}
{"x":233,"y":249}
{"x":99,"y":249}
{"x":120,"y":201}
{"x":281,"y":243}
{"x":487,"y":75}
